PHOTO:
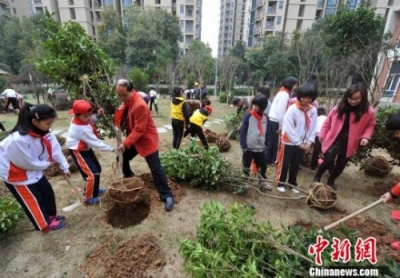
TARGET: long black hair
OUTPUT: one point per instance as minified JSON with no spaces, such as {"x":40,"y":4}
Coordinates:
{"x":361,"y":108}
{"x":28,"y":113}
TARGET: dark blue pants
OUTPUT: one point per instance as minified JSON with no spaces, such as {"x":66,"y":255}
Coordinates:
{"x":177,"y":131}
{"x":259,"y":159}
{"x":288,"y":161}
{"x":37,"y":200}
{"x":90,"y":169}
{"x":157,"y":171}
{"x":198,"y":130}
{"x":272,"y":141}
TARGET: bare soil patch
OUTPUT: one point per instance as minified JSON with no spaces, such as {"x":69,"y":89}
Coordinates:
{"x":131,"y":258}
{"x":364,"y":227}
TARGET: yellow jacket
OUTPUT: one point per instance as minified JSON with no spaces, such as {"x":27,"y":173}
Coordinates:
{"x":199,"y":117}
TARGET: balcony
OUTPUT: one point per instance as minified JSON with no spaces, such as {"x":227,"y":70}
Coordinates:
{"x":270,"y":25}
{"x":98,"y":4}
{"x":189,"y":30}
{"x":4,"y":12}
{"x":258,"y":18}
{"x":271,"y":10}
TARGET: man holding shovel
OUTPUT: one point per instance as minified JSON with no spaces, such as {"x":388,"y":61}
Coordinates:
{"x":135,"y":119}
{"x":393,"y":124}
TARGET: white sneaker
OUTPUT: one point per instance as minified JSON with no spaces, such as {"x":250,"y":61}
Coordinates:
{"x":281,"y":189}
{"x":295,"y":191}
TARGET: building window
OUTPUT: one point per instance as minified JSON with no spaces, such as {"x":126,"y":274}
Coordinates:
{"x":70,"y":2}
{"x":72,"y":13}
{"x":15,"y":11}
{"x":278,"y":20}
{"x":181,"y":24}
{"x":391,"y":85}
{"x":301,"y":10}
{"x":390,"y":3}
{"x":126,"y":3}
{"x":280,"y":5}
{"x":158,"y":2}
{"x":108,"y":3}
{"x":182,"y":9}
{"x":189,"y":11}
{"x":330,"y":11}
{"x":299,"y":24}
{"x":332,"y":3}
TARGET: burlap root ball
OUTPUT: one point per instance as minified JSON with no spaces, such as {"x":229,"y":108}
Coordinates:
{"x":377,"y":166}
{"x":223,"y":144}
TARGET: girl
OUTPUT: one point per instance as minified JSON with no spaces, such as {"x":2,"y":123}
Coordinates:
{"x":279,"y":106}
{"x":348,"y":125}
{"x":81,"y":137}
{"x":393,"y":124}
{"x":197,"y":121}
{"x":298,"y":133}
{"x":253,"y":134}
{"x":180,"y":114}
{"x":25,"y":153}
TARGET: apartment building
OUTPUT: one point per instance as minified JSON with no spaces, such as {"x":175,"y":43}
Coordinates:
{"x":189,"y":13}
{"x":267,"y":17}
{"x":231,"y":25}
{"x":19,"y":8}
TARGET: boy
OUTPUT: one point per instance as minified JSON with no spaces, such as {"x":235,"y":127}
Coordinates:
{"x":253,"y":134}
{"x":298,"y":133}
{"x":82,"y":136}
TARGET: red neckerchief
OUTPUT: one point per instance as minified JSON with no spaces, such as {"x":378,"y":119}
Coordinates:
{"x":78,"y":121}
{"x":120,"y":112}
{"x":306,"y":117}
{"x":46,"y":143}
{"x":289,"y":92}
{"x":258,"y":117}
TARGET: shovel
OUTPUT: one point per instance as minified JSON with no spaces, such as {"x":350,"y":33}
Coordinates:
{"x":77,"y":203}
{"x":344,"y":219}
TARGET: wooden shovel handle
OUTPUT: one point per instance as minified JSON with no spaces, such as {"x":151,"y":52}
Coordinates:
{"x":334,"y":224}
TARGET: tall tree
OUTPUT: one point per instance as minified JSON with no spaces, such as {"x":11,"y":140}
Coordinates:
{"x":152,"y":38}
{"x":356,"y":38}
{"x":111,"y":37}
{"x":197,"y":62}
{"x":228,"y":66}
{"x":243,"y":70}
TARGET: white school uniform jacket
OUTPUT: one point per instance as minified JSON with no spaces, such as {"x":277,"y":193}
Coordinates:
{"x":280,"y":104}
{"x":299,"y":125}
{"x":82,"y":137}
{"x":24,"y":157}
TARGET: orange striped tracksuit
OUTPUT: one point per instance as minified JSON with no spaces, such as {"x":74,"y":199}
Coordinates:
{"x":299,"y":127}
{"x":81,"y":137}
{"x":23,"y":159}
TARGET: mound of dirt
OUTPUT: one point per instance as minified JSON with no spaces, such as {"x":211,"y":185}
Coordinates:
{"x":365,"y":227}
{"x":131,"y":258}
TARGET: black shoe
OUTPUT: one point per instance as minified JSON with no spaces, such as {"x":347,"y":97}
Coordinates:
{"x":169,"y":203}
{"x":317,"y":179}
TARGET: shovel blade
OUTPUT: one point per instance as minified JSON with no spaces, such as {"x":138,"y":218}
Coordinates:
{"x":72,"y":207}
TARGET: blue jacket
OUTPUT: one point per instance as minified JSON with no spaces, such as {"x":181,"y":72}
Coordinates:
{"x":250,"y":138}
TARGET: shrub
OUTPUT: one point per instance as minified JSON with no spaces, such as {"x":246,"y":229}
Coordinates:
{"x":10,"y":214}
{"x":195,"y":165}
{"x":382,"y":138}
{"x":229,"y":243}
{"x":231,"y":121}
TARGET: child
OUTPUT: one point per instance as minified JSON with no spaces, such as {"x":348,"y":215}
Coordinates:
{"x":279,"y":106}
{"x":349,"y":125}
{"x":266,"y":92}
{"x":393,"y":124}
{"x":321,"y":112}
{"x":82,"y":136}
{"x":197,"y":121}
{"x":180,"y":114}
{"x":25,"y":153}
{"x":298,"y":133}
{"x":253,"y":134}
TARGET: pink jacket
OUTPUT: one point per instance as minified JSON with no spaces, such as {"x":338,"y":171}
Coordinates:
{"x":357,"y":130}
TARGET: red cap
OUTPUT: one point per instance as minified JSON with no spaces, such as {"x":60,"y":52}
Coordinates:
{"x":208,"y":109}
{"x":81,"y":106}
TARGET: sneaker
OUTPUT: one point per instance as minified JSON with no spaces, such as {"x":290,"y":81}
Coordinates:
{"x":281,"y":189}
{"x":169,"y":203}
{"x":295,"y":191}
{"x":54,"y":225}
{"x":92,"y":201}
{"x":57,"y":217}
{"x":266,"y":185}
